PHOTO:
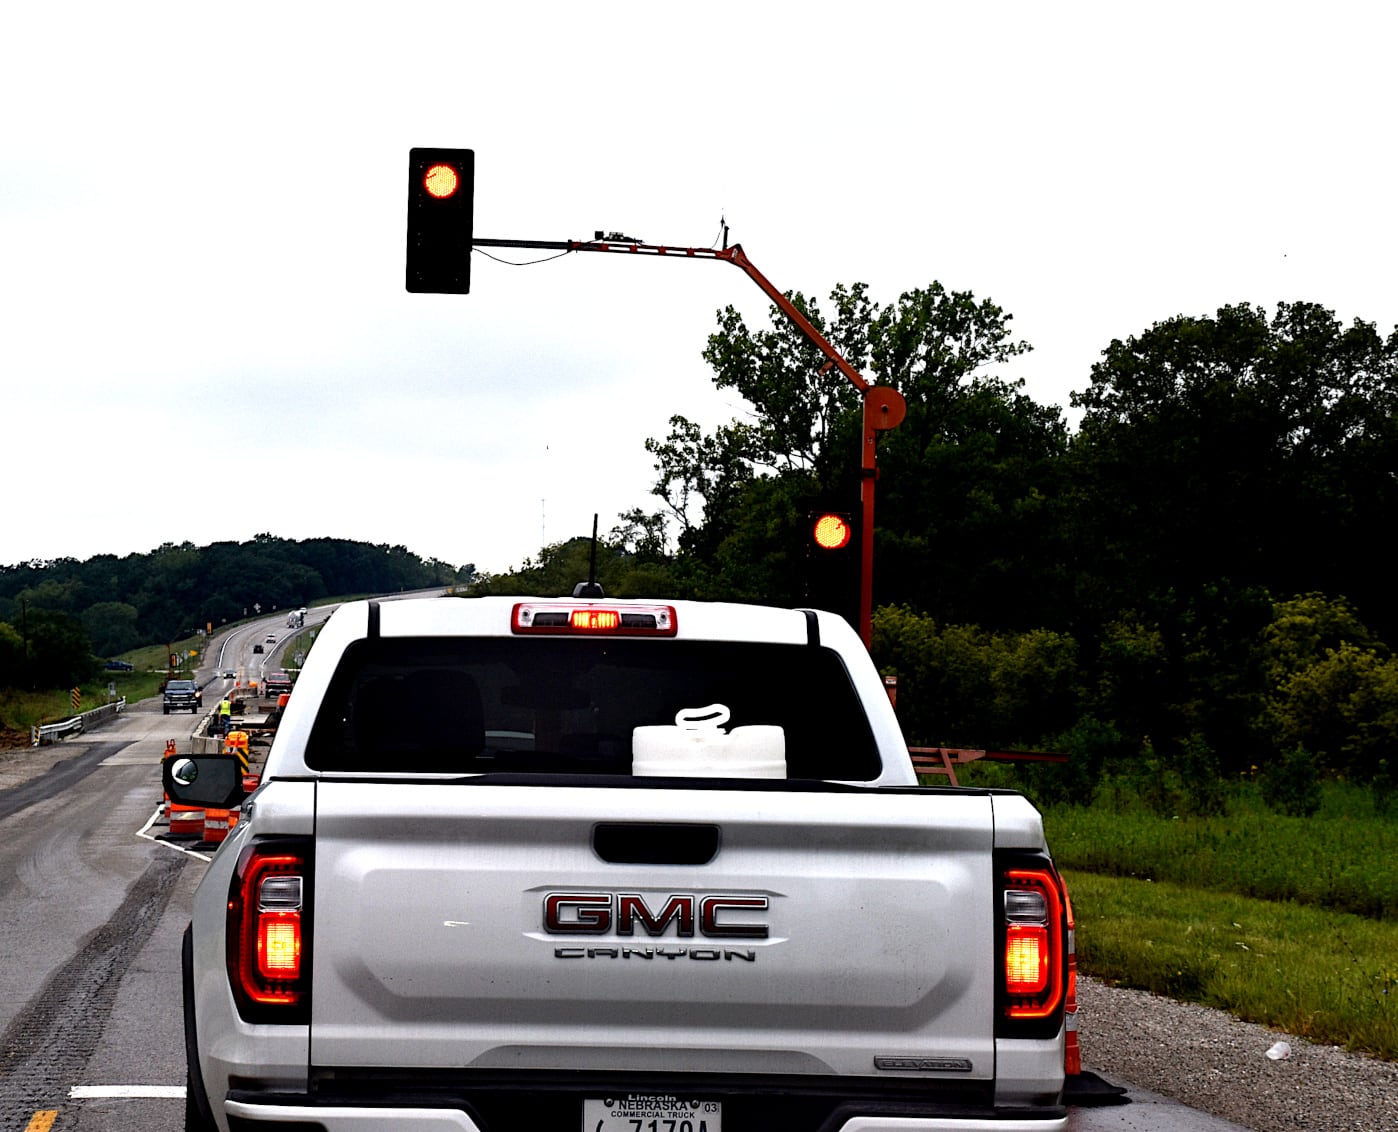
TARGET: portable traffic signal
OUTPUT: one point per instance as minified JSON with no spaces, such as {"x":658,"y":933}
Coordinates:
{"x":831,"y":573}
{"x":441,"y":188}
{"x":831,"y":531}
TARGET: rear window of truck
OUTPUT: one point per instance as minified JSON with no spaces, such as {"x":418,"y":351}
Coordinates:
{"x":552,"y":706}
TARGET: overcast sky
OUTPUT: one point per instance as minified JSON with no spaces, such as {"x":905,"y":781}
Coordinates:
{"x":204,"y":333}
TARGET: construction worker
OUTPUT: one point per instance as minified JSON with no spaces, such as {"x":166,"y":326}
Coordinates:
{"x":225,"y":715}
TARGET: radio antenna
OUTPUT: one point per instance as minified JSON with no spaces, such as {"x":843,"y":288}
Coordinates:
{"x":590,"y":588}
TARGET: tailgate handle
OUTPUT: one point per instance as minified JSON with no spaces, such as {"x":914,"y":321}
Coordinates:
{"x":655,"y":843}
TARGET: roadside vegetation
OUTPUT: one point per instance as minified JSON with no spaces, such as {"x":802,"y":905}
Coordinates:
{"x":21,"y":710}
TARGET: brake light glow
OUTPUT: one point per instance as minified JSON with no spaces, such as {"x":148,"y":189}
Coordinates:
{"x":596,"y":620}
{"x":1026,"y":959}
{"x":279,"y":945}
{"x":582,"y":618}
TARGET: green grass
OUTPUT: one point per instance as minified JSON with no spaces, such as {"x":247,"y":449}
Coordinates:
{"x":1327,"y":976}
{"x":1343,"y":859}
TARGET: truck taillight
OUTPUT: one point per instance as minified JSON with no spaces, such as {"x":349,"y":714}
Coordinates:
{"x":269,"y":931}
{"x":1033,"y":960}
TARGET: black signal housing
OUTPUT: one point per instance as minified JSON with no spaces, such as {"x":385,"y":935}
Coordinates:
{"x":441,"y":191}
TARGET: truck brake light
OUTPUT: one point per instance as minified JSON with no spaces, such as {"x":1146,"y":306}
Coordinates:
{"x":1034,"y":933}
{"x":268,"y":932}
{"x":572,"y":618}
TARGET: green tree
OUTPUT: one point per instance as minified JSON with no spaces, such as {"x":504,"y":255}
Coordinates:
{"x":1344,"y":708}
{"x":60,"y":654}
{"x":111,"y":626}
{"x":959,"y":685}
{"x":1241,"y":448}
{"x":11,"y":656}
{"x":965,"y":511}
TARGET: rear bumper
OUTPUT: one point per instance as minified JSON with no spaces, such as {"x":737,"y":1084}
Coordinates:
{"x":746,"y":1112}
{"x":260,"y":1118}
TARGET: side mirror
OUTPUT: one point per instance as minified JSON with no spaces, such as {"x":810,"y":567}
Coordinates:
{"x":205,"y":780}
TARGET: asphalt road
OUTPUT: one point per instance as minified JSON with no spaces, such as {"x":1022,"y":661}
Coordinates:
{"x":92,"y":907}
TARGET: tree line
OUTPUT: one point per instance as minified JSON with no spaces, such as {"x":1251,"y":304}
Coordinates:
{"x":1194,"y":577}
{"x":58,"y":618}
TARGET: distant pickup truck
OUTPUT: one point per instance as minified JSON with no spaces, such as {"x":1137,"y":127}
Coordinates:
{"x":182,"y":695}
{"x":614,"y":866}
{"x":275,"y":683}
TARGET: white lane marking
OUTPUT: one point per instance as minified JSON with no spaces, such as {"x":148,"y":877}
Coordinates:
{"x":125,"y":1092}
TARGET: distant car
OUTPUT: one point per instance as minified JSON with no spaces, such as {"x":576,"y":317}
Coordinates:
{"x":119,"y":666}
{"x":256,"y":648}
{"x":270,"y":638}
{"x":229,"y":674}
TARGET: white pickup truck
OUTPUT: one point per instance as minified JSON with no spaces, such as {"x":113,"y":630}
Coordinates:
{"x":614,"y":866}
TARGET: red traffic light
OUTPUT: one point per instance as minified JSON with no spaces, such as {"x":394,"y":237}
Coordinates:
{"x":831,"y":531}
{"x":441,"y":184}
{"x":441,"y":181}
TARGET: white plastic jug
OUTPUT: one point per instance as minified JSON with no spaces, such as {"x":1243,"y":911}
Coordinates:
{"x":697,"y":746}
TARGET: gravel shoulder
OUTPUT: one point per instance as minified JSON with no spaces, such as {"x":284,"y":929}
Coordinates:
{"x":1211,"y":1061}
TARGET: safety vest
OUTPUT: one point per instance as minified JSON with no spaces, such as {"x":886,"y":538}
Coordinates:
{"x":225,"y":708}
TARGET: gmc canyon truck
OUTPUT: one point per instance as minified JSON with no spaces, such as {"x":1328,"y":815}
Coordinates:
{"x":614,"y":866}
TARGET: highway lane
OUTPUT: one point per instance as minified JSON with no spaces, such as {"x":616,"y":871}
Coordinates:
{"x":90,"y":923}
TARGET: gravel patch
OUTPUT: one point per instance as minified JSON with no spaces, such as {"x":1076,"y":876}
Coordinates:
{"x":1211,"y":1061}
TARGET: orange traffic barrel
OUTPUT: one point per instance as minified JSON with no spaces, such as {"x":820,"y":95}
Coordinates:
{"x":186,"y":821}
{"x":216,"y":826}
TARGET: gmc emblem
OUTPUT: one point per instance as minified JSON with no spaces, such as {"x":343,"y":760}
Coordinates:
{"x":605,"y":913}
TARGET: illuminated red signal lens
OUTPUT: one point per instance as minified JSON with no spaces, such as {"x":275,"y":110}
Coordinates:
{"x":831,"y":532}
{"x":441,"y":181}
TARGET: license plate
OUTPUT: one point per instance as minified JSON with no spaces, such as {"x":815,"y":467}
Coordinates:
{"x":644,"y":1112}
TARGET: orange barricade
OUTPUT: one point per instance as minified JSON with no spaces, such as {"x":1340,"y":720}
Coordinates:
{"x":216,"y":825}
{"x":186,"y":821}
{"x":236,"y":743}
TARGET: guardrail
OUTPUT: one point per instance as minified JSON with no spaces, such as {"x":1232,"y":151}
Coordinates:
{"x":51,"y":732}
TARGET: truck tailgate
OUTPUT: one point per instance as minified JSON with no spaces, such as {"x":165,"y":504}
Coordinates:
{"x":460,"y":924}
